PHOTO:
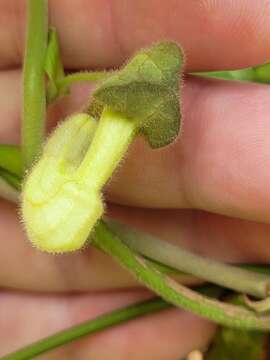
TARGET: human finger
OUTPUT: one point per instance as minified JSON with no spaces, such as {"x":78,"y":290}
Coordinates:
{"x":100,"y":33}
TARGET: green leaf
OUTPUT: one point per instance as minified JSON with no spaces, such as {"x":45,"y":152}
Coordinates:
{"x":147,"y":90}
{"x":11,"y":159}
{"x":53,"y":67}
{"x":258,"y":74}
{"x":237,"y":344}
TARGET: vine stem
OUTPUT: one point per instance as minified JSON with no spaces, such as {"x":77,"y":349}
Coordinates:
{"x":171,"y":291}
{"x":229,"y":276}
{"x":34,"y":91}
{"x":82,"y":76}
{"x":89,"y":327}
{"x":62,"y":84}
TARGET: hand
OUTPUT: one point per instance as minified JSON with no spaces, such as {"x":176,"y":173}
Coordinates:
{"x":208,"y":191}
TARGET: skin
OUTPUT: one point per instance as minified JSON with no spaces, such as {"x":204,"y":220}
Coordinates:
{"x":209,"y":191}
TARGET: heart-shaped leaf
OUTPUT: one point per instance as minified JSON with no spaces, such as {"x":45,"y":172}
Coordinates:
{"x":147,"y":90}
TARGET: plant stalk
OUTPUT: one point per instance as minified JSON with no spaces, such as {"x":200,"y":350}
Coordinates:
{"x":229,"y":276}
{"x":82,"y":76}
{"x":34,"y":92}
{"x":89,"y":327}
{"x":171,"y":291}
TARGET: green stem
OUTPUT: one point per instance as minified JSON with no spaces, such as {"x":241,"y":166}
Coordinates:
{"x":83,"y":76}
{"x":34,"y":92}
{"x":228,"y":276}
{"x":171,"y":291}
{"x":89,"y":327}
{"x":61,"y":85}
{"x":10,"y":159}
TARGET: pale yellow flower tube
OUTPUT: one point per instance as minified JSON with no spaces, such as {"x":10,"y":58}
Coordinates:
{"x":57,"y":211}
{"x":62,"y":198}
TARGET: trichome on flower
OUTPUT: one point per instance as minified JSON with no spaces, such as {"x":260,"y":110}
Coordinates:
{"x":62,"y":199}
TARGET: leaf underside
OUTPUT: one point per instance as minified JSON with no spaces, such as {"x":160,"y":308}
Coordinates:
{"x":147,"y":90}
